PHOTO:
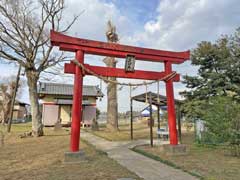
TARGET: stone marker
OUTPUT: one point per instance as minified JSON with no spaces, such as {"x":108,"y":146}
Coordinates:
{"x":95,"y":126}
{"x":57,"y":126}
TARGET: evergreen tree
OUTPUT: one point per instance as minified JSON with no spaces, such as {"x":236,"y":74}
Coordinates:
{"x":233,"y":66}
{"x":214,"y":94}
{"x":218,"y":73}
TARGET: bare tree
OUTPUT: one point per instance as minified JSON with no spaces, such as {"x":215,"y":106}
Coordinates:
{"x":112,"y":106}
{"x":24,"y":38}
{"x":7,"y":88}
{"x":5,"y":103}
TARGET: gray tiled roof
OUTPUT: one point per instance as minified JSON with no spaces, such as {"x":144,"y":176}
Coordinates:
{"x":67,"y":89}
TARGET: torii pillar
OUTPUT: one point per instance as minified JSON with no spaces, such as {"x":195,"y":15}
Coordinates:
{"x":76,"y":156}
{"x":77,"y":104}
{"x":171,"y":106}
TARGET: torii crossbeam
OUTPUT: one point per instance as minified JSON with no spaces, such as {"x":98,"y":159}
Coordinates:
{"x":85,"y":46}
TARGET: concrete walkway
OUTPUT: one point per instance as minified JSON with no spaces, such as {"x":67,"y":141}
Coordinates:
{"x":143,"y":166}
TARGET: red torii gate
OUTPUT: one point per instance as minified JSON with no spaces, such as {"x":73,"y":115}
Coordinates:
{"x":85,"y":46}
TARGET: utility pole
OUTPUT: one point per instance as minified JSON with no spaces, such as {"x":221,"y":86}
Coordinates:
{"x":13,"y":99}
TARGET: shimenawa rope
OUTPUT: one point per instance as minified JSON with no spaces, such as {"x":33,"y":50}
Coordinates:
{"x":105,"y":79}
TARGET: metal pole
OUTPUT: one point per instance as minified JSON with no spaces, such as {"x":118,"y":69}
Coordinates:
{"x":77,"y":104}
{"x":151,"y":120}
{"x":13,"y":100}
{"x":171,"y":106}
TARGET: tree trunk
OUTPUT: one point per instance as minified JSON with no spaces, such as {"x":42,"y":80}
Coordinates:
{"x":112,"y":106}
{"x":37,"y":127}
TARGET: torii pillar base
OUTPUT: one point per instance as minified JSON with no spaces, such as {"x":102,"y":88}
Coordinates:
{"x":74,"y":157}
{"x":174,"y":150}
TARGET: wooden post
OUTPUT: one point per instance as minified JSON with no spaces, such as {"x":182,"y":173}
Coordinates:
{"x":171,"y":106}
{"x":151,"y":120}
{"x":131,"y":111}
{"x":179,"y":123}
{"x":158,"y":109}
{"x":158,"y":118}
{"x":131,"y":118}
{"x":77,"y":104}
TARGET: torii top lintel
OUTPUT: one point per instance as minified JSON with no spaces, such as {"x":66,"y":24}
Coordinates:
{"x":68,"y":43}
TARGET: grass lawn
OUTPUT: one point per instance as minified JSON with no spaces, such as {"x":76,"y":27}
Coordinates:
{"x":211,"y":163}
{"x":42,"y":159}
{"x":140,"y":131}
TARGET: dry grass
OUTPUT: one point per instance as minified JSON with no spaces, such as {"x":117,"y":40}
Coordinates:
{"x":140,"y":131}
{"x":210,"y":162}
{"x":42,"y":158}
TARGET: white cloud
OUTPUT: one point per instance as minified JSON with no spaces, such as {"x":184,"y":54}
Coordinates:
{"x":181,"y":24}
{"x":92,"y":22}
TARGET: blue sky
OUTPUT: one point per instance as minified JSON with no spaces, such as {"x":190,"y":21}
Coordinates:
{"x":139,"y":11}
{"x":175,"y":25}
